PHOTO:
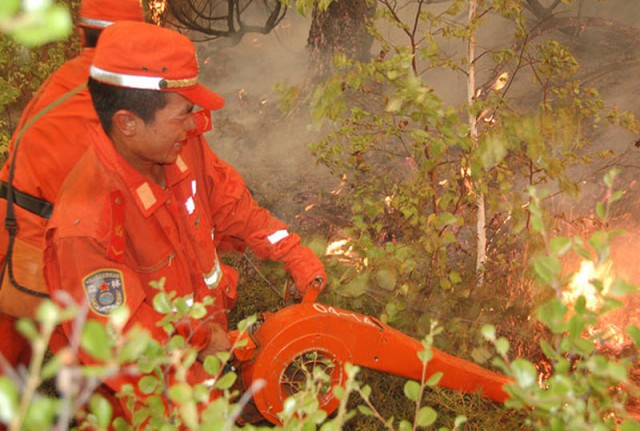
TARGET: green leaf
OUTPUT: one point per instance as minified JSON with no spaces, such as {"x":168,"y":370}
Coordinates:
{"x":386,"y":277}
{"x":455,"y":277}
{"x":502,"y":346}
{"x":560,"y":245}
{"x":212,"y":365}
{"x":198,"y":311}
{"x":365,"y":410}
{"x":47,"y":311}
{"x":120,"y":424}
{"x":52,"y":367}
{"x":634,"y":332}
{"x":139,"y":416}
{"x":600,"y":211}
{"x":489,"y":332}
{"x":599,"y":240}
{"x":189,"y":414}
{"x":481,"y":355}
{"x":365,"y":391}
{"x":547,"y":268}
{"x":180,"y":392}
{"x":226,"y":381}
{"x":412,"y":390}
{"x":617,"y":371}
{"x":148,"y":384}
{"x":102,"y":409}
{"x":28,"y":329}
{"x":8,"y":399}
{"x":460,"y":420}
{"x":620,"y":287}
{"x":95,"y":340}
{"x":426,"y":416}
{"x":138,"y":340}
{"x":548,"y":350}
{"x":8,"y":8}
{"x":162,"y":304}
{"x":434,"y":379}
{"x":41,"y":413}
{"x":524,"y":372}
{"x":177,"y":342}
{"x":357,"y":287}
{"x":44,"y":26}
{"x":405,"y":425}
{"x":552,"y":314}
{"x":629,"y":425}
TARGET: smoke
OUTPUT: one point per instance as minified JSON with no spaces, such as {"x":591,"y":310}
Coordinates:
{"x":270,"y":149}
{"x":267,"y":146}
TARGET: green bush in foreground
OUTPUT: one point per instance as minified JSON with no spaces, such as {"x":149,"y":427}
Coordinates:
{"x":585,"y":390}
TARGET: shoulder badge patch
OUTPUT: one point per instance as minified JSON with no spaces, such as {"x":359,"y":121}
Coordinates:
{"x":105,"y":290}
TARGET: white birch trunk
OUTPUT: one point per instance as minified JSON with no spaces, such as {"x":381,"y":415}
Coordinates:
{"x":481,"y":244}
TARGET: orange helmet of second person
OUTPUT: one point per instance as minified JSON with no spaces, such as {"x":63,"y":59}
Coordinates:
{"x":100,"y":14}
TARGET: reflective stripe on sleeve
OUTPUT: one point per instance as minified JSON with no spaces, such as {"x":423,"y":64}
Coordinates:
{"x":278,"y":236}
{"x":213,"y":277}
{"x":90,"y":22}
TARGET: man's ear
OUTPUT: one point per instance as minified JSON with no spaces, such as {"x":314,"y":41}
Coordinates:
{"x":125,"y":122}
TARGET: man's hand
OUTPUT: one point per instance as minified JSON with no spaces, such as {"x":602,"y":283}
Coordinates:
{"x":218,"y":342}
{"x":306,"y":269}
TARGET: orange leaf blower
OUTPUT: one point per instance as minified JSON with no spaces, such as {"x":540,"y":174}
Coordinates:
{"x":290,"y":343}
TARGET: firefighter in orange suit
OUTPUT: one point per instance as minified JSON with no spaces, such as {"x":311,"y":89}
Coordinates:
{"x":147,"y":202}
{"x":45,"y":153}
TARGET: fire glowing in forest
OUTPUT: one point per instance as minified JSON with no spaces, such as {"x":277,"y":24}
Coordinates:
{"x":338,"y":248}
{"x":157,"y":9}
{"x":591,"y":282}
{"x":343,"y":251}
{"x":594,"y":283}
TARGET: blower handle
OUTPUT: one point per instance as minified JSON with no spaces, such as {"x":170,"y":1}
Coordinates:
{"x":314,"y":289}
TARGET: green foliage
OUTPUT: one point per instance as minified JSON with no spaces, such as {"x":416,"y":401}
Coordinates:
{"x":22,"y":72}
{"x":585,"y":387}
{"x":411,"y":173}
{"x":159,"y":402}
{"x":35,"y":23}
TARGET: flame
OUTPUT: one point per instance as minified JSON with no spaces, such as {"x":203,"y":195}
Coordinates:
{"x":607,"y":333}
{"x":336,"y":248}
{"x":343,"y":251}
{"x":157,"y":9}
{"x":583,"y":284}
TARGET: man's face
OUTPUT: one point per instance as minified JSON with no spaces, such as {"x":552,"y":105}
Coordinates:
{"x":160,"y":141}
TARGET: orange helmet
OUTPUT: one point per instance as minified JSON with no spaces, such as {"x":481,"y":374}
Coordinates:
{"x":102,"y":13}
{"x":145,"y":56}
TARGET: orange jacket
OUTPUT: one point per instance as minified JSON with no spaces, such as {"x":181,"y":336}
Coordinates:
{"x":51,"y":146}
{"x":47,"y":151}
{"x":113,"y":232}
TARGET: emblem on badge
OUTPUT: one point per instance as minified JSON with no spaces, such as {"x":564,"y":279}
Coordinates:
{"x":105,"y":290}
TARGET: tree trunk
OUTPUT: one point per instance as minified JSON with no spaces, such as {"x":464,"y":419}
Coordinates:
{"x":481,"y":245}
{"x":341,"y":28}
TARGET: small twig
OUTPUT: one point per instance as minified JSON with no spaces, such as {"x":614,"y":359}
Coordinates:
{"x":270,"y":284}
{"x":255,"y":387}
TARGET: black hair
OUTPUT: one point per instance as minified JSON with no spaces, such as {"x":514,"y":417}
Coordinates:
{"x":91,"y":36}
{"x":108,"y":99}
